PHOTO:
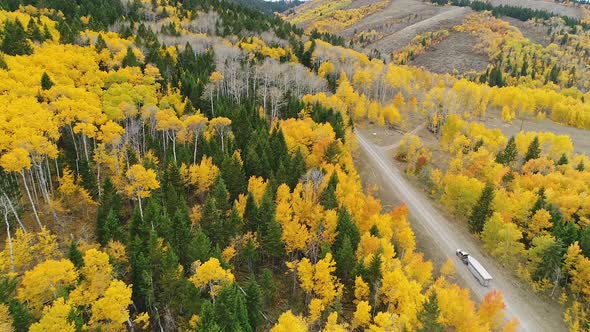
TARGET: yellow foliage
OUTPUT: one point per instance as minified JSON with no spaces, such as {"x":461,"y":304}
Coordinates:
{"x":42,"y":284}
{"x":55,"y":318}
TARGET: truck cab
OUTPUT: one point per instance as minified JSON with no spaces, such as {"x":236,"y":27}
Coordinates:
{"x":463,"y":255}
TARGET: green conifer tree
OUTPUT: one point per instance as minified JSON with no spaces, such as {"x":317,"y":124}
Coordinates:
{"x":429,"y":315}
{"x":482,"y":210}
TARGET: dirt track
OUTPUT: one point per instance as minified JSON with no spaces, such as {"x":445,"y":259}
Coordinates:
{"x":430,"y":225}
{"x":401,"y":38}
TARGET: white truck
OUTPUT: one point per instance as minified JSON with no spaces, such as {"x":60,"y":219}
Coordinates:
{"x":475,"y":267}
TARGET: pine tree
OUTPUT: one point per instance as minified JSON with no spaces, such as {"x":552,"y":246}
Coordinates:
{"x":199,"y":248}
{"x":3,"y":64}
{"x":346,"y":227}
{"x":429,"y":315}
{"x":75,"y":256}
{"x":534,"y":150}
{"x":251,"y":222}
{"x":328,"y":196}
{"x":230,"y":312}
{"x":15,"y":39}
{"x":566,"y":231}
{"x":234,"y":177}
{"x":254,"y":303}
{"x":563,"y":160}
{"x":46,"y":82}
{"x":33,"y":31}
{"x":296,"y":169}
{"x":100,"y":43}
{"x":182,"y":235}
{"x":509,"y":154}
{"x":551,"y":263}
{"x":345,"y":260}
{"x":111,"y":229}
{"x":130,"y":60}
{"x":210,"y":220}
{"x":110,"y":202}
{"x":482,"y":210}
{"x":580,"y":166}
{"x":585,"y":241}
{"x":540,"y":203}
{"x":221,"y":196}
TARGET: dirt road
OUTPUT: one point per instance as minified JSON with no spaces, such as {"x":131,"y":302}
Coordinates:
{"x":533,"y":313}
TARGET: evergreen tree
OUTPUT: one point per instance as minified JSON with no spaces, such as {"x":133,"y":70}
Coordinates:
{"x":328,"y":196}
{"x":109,"y":202}
{"x":534,"y":150}
{"x":581,"y":166}
{"x":346,"y":227}
{"x":482,"y":210}
{"x":75,"y":256}
{"x":566,"y":232}
{"x":130,"y":60}
{"x":429,"y":315}
{"x":14,"y":40}
{"x":199,"y":248}
{"x":345,"y":260}
{"x":221,"y":196}
{"x":46,"y":34}
{"x":540,"y":203}
{"x":234,"y":177}
{"x":46,"y":82}
{"x":271,"y":231}
{"x":3,"y":64}
{"x":100,"y":43}
{"x":33,"y":31}
{"x":551,"y":263}
{"x":111,"y":229}
{"x":229,"y":313}
{"x":268,"y":285}
{"x":182,"y":235}
{"x":297,"y":169}
{"x":509,"y":154}
{"x":22,"y":317}
{"x":254,"y":303}
{"x":210,"y":220}
{"x":207,"y":319}
{"x":563,"y":160}
{"x":251,"y":214}
{"x":585,"y":241}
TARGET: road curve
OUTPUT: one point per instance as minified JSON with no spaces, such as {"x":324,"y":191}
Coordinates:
{"x":531,"y":311}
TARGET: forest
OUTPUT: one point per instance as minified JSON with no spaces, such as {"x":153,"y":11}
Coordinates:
{"x":189,"y":166}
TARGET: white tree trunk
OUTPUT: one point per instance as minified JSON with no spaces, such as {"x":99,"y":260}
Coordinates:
{"x":22,"y":173}
{"x":9,"y":241}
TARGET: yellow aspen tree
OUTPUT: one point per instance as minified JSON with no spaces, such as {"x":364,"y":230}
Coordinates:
{"x":141,"y":182}
{"x":202,"y":175}
{"x":332,"y":324}
{"x":170,"y":124}
{"x":43,"y":283}
{"x":362,"y":315}
{"x":211,"y":275}
{"x":361,"y":290}
{"x":222,"y":126}
{"x":5,"y":319}
{"x":55,"y":318}
{"x":195,"y":123}
{"x":290,"y":323}
{"x":97,"y":272}
{"x":216,"y":78}
{"x":110,"y":312}
{"x":17,"y":161}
